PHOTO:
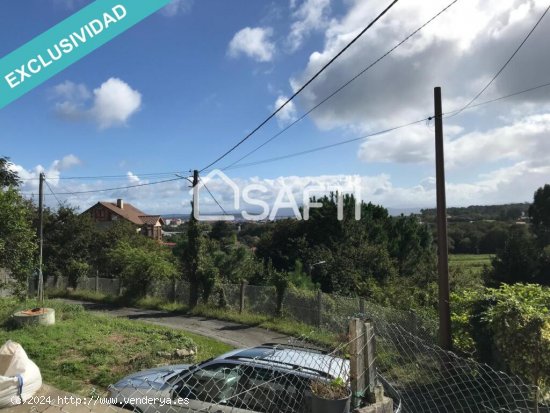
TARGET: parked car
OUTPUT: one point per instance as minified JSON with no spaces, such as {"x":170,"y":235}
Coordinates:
{"x":268,"y":378}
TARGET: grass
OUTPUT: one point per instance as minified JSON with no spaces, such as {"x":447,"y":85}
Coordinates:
{"x":470,"y":262}
{"x":84,"y":351}
{"x":284,"y":325}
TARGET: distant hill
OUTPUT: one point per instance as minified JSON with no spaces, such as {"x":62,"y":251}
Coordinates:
{"x":506,"y":212}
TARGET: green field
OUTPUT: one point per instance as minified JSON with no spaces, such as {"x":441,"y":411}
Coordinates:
{"x":470,"y":262}
{"x":84,"y":351}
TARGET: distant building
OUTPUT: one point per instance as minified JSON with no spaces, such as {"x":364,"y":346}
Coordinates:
{"x":105,"y":213}
{"x":173,"y":222}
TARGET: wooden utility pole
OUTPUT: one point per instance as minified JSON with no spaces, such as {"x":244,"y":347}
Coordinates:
{"x":41,"y":237}
{"x":195,"y":207}
{"x":445,"y":339}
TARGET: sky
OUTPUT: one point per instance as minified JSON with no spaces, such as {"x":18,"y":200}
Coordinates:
{"x":183,"y":86}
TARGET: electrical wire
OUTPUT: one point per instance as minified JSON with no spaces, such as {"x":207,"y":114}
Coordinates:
{"x":315,"y":76}
{"x":120,"y":187}
{"x":322,"y":148}
{"x":531,"y":89}
{"x":381,"y":132}
{"x":53,"y":193}
{"x":505,"y":64}
{"x":213,"y":197}
{"x":343,"y":86}
{"x":151,"y":174}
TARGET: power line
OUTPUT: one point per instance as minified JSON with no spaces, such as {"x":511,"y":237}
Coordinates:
{"x":381,"y":132}
{"x":321,"y":148}
{"x":302,"y":87}
{"x":456,"y":111}
{"x":53,"y":193}
{"x":151,"y":174}
{"x":120,"y":187}
{"x":213,"y":197}
{"x":505,"y":64}
{"x":344,"y":85}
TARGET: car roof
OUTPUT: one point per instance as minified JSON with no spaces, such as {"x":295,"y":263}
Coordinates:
{"x":286,"y":357}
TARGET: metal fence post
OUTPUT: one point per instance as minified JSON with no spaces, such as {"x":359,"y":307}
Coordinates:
{"x":96,"y":281}
{"x":357,"y":362}
{"x":242,"y":296}
{"x":319,"y":308}
{"x":369,"y":355}
{"x":174,"y":289}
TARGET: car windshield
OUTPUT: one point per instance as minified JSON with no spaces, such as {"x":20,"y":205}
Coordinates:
{"x":191,"y":368}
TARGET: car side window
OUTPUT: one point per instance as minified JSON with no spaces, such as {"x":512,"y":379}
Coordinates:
{"x":216,"y":383}
{"x":270,"y":391}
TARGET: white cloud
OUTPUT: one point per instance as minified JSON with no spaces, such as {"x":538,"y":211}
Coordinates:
{"x":312,"y":15}
{"x":176,"y":7}
{"x":254,"y":42}
{"x":287,"y":114}
{"x":53,"y":172}
{"x":68,"y":162}
{"x":114,"y":102}
{"x":525,"y":138}
{"x":461,"y":51}
{"x":133,"y":179}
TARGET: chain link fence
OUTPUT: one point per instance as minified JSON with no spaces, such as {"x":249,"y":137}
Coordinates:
{"x":420,"y":376}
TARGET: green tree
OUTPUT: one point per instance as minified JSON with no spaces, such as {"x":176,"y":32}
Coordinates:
{"x":518,"y":261}
{"x":106,"y":239}
{"x":142,"y":266}
{"x":539,"y":212}
{"x":18,"y":244}
{"x":197,"y":264}
{"x":8,"y":177}
{"x":68,"y":240}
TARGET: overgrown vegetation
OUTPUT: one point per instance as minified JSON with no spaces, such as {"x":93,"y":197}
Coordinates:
{"x":83,"y":351}
{"x":507,"y":327}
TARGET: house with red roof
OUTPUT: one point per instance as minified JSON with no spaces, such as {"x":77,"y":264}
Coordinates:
{"x":105,"y":213}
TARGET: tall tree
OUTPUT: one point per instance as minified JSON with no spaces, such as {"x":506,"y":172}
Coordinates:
{"x":518,"y":261}
{"x":68,"y":240}
{"x":17,"y":238}
{"x":539,"y":212}
{"x":8,"y":177}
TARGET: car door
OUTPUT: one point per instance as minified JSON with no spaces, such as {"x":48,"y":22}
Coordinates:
{"x":268,"y":390}
{"x":212,"y":388}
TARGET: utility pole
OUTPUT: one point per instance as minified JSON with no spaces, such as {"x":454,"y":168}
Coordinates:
{"x":41,"y":237}
{"x":445,"y":339}
{"x":195,"y":207}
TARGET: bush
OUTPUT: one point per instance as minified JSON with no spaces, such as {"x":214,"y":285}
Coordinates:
{"x":507,"y":327}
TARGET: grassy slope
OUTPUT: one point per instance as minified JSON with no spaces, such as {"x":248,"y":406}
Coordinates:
{"x":83,"y":351}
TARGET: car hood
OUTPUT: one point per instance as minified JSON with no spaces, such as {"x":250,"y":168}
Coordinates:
{"x":153,"y":378}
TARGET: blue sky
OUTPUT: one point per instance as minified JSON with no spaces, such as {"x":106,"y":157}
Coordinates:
{"x":177,"y":90}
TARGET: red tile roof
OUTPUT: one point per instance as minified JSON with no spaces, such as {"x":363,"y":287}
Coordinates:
{"x":131,"y":213}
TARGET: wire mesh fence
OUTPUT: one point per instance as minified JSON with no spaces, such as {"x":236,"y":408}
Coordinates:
{"x":268,"y":378}
{"x":420,"y":376}
{"x":430,"y":379}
